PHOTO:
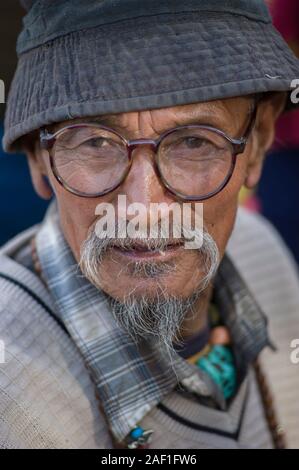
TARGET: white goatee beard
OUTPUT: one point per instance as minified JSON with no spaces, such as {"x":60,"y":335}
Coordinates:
{"x":161,"y":315}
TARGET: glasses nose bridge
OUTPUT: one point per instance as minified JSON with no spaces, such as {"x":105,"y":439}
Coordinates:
{"x":133,"y":144}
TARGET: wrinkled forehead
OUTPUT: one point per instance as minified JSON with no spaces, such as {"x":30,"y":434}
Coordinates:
{"x":230,"y":111}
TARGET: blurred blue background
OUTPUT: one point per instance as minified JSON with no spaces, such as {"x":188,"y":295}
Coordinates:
{"x":20,"y":207}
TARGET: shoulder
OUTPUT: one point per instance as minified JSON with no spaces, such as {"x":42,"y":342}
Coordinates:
{"x":264,"y":260}
{"x":267,"y":266}
{"x":46,"y":395}
{"x":20,"y":288}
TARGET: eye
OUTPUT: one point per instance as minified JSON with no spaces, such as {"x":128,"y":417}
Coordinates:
{"x":96,"y":142}
{"x":194,"y":142}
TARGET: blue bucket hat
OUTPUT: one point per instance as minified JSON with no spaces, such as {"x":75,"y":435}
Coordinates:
{"x":98,"y":57}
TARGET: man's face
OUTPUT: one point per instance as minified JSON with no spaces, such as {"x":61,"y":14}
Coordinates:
{"x":142,"y":185}
{"x":175,"y":272}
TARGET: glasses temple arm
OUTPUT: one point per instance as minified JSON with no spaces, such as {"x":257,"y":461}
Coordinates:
{"x":46,"y":139}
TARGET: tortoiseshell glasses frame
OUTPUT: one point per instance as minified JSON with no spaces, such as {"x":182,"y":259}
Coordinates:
{"x":49,"y":140}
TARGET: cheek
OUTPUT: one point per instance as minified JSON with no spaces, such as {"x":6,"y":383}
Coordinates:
{"x":76,"y":215}
{"x":220,"y":211}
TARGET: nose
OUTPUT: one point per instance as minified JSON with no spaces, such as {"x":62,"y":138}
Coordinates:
{"x":143,"y":184}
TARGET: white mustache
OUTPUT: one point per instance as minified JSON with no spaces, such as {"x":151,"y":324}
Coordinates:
{"x":94,"y":249}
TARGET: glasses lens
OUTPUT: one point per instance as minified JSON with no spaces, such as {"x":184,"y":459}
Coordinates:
{"x":195,"y":161}
{"x":89,"y":159}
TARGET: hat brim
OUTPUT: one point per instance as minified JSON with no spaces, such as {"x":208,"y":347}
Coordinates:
{"x":146,"y":63}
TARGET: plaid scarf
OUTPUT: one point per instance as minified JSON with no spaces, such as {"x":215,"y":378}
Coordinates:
{"x":132,"y":378}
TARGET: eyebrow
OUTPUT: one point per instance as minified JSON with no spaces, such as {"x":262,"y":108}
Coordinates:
{"x":210,"y":117}
{"x":105,"y":120}
{"x":199,"y":118}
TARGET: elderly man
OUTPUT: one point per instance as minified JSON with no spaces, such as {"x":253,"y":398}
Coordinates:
{"x":113,"y":339}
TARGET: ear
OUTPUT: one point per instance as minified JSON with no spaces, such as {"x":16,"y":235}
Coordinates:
{"x":263,"y":135}
{"x":37,"y":166}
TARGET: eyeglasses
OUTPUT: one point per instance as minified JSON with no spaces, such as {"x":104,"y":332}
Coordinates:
{"x":194,"y":162}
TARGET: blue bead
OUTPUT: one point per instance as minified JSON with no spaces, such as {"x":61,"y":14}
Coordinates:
{"x":223,"y":353}
{"x":219,"y":365}
{"x":136,"y":433}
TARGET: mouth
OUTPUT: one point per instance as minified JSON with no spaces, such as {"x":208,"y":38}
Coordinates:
{"x":140,"y":251}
